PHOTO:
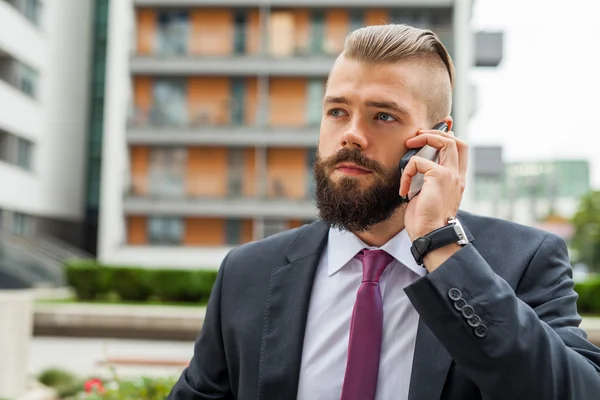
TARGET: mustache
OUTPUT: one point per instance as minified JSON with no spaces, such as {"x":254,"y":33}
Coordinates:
{"x":353,"y":156}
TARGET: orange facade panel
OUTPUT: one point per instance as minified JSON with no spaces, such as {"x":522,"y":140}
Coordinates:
{"x":212,"y":32}
{"x":136,"y":230}
{"x":206,"y":172}
{"x":302,"y":28}
{"x":287,"y":173}
{"x":247,"y":230}
{"x":142,"y":94}
{"x":208,"y":100}
{"x":204,"y":232}
{"x":287,"y":102}
{"x":251,"y":101}
{"x":139,"y":157}
{"x":376,"y":17}
{"x":337,"y":25}
{"x":253,"y":32}
{"x":146,"y":30}
{"x":296,"y":223}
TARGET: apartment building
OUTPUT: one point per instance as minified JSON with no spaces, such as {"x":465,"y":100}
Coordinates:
{"x":212,"y":113}
{"x":44,"y":72}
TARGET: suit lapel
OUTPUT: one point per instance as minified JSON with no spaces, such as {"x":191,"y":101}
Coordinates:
{"x":286,"y":312}
{"x":431,"y":362}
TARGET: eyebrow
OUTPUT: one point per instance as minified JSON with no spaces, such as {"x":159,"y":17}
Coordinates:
{"x":388,"y":105}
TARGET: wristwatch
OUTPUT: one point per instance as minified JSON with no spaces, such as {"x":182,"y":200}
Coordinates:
{"x":451,"y":233}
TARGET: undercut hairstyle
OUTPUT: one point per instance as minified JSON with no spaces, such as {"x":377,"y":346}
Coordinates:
{"x":396,"y":43}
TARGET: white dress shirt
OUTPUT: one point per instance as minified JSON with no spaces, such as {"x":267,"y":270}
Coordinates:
{"x":337,"y":280}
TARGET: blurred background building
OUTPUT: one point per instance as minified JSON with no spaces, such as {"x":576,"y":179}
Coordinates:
{"x":44,"y":97}
{"x":212,"y":113}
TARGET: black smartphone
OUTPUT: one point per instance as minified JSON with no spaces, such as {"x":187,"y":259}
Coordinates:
{"x":426,"y":152}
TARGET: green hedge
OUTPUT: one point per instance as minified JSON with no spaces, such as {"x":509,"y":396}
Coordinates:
{"x":93,"y":281}
{"x":589,"y":296}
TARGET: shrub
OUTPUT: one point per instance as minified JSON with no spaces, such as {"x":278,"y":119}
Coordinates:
{"x":88,"y":279}
{"x":589,"y":296}
{"x":64,"y":382}
{"x":93,"y":281}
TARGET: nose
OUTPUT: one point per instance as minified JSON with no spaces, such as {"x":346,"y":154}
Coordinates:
{"x":353,"y":139}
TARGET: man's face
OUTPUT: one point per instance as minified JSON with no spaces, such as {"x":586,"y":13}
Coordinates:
{"x":369,"y":112}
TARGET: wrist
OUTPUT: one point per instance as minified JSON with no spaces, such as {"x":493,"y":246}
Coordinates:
{"x":433,"y":248}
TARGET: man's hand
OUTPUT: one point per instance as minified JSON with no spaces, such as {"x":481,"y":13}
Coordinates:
{"x":442,"y":191}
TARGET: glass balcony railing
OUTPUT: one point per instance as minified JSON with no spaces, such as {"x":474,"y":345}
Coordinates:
{"x":213,"y":185}
{"x":276,"y":114}
{"x":284,"y":41}
{"x":182,"y":41}
{"x":181,"y":114}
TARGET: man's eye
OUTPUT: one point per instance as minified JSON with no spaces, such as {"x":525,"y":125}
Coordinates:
{"x":336,"y":112}
{"x":385,"y":117}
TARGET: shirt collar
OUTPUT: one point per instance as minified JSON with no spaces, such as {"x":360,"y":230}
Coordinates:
{"x":343,"y":245}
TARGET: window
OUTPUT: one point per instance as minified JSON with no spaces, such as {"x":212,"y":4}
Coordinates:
{"x":22,"y":225}
{"x":172,"y":33}
{"x":311,"y":188}
{"x":165,"y":230}
{"x":233,"y":231}
{"x":5,"y":146}
{"x":317,"y":34}
{"x":167,"y":172}
{"x":239,"y":34}
{"x":32,"y":10}
{"x":24,"y":150}
{"x":273,"y":226}
{"x":16,"y":150}
{"x":170,"y":103}
{"x":26,"y":79}
{"x":236,"y":171}
{"x":356,"y":19}
{"x":314,"y":108}
{"x":238,"y":95}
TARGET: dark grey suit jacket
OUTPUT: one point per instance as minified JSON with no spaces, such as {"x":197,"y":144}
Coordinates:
{"x":516,"y":279}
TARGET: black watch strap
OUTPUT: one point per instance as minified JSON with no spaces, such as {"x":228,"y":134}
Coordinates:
{"x":434,"y":240}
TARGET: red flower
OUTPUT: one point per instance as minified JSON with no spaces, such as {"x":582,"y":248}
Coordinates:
{"x":93,"y":385}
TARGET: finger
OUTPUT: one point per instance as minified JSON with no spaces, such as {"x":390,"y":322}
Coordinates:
{"x":461,"y":145}
{"x":415,"y":165}
{"x":446,"y":146}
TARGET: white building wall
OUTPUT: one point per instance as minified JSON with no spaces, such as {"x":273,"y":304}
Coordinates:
{"x":56,"y":120}
{"x":65,"y":95}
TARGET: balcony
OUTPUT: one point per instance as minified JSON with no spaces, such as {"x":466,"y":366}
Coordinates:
{"x":234,"y":52}
{"x":288,"y":194}
{"x":18,"y":37}
{"x":227,"y":123}
{"x":294,"y":3}
{"x":25,"y":114}
{"x":282,"y":49}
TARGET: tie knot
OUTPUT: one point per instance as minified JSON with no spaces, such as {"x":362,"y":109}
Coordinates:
{"x":374,"y":263}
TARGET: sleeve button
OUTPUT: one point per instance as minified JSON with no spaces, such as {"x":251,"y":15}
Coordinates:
{"x":455,"y":294}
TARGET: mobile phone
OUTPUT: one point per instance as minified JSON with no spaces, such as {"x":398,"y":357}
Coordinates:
{"x":427,"y":152}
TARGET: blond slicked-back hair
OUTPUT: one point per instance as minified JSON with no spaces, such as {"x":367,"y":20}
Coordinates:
{"x":395,"y":43}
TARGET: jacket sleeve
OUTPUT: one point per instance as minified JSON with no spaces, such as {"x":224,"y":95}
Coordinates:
{"x":207,"y":377}
{"x":514,"y":344}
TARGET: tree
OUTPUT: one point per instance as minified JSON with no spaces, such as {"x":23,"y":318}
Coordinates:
{"x":586,"y":240}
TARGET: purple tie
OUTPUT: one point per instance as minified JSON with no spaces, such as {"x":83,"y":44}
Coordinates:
{"x":364,"y":346}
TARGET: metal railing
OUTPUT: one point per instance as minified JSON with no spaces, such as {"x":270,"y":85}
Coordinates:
{"x":181,"y":113}
{"x":184,"y":41}
{"x":37,"y":260}
{"x":214,"y":187}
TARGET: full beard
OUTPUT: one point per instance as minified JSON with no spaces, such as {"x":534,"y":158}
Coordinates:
{"x":347,"y":206}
